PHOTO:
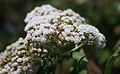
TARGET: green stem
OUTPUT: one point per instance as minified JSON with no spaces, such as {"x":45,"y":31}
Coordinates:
{"x":73,"y":49}
{"x":110,"y":62}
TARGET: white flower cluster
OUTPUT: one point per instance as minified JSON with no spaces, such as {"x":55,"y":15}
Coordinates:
{"x":22,"y":58}
{"x":47,"y":27}
{"x":93,"y":34}
{"x":47,"y":22}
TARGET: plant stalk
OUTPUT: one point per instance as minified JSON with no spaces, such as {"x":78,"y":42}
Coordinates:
{"x":110,"y":62}
{"x":74,"y":49}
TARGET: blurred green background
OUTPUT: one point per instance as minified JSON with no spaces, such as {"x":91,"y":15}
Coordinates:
{"x":103,"y":14}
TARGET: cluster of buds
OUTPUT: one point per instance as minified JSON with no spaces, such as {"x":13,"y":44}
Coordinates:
{"x":23,"y":57}
{"x":47,"y":30}
{"x":45,"y":23}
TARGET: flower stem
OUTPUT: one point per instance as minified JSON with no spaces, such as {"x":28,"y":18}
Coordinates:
{"x":110,"y":62}
{"x":73,"y":49}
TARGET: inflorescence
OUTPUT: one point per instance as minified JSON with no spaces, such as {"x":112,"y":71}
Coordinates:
{"x":47,"y":28}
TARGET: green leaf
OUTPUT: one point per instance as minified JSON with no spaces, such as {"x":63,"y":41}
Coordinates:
{"x":77,"y":55}
{"x":83,"y":72}
{"x":80,"y":63}
{"x":111,"y":61}
{"x":117,"y":62}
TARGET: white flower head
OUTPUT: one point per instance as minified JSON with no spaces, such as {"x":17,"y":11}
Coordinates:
{"x":48,"y":22}
{"x":18,"y":57}
{"x":93,"y":34}
{"x":47,"y":28}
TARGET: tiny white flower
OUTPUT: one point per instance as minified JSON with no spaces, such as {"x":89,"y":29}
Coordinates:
{"x":18,"y":71}
{"x":19,"y":60}
{"x":44,"y":50}
{"x":43,"y":40}
{"x":15,"y":64}
{"x":82,"y":37}
{"x":39,"y":50}
{"x":64,"y":34}
{"x":3,"y":71}
{"x":26,"y":59}
{"x":67,"y":30}
{"x":45,"y":31}
{"x":53,"y":27}
{"x":55,"y":20}
{"x":68,"y":38}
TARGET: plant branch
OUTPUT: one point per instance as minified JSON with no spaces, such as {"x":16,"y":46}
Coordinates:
{"x":74,"y":49}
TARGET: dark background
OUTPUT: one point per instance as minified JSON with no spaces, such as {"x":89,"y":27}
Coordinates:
{"x":103,"y":14}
